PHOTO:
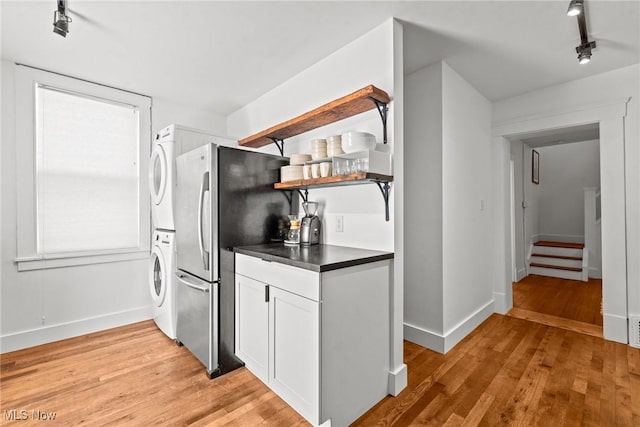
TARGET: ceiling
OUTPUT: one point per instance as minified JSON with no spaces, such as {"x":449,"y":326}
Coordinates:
{"x":219,"y":56}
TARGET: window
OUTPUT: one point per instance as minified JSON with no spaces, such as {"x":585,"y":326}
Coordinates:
{"x":84,"y":148}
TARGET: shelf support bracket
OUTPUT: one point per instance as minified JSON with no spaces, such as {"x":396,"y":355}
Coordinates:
{"x":383,"y":108}
{"x":304,"y":196}
{"x":384,"y":188}
{"x":279,"y":143}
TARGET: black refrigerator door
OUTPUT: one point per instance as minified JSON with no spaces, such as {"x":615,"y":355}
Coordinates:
{"x":251,"y":212}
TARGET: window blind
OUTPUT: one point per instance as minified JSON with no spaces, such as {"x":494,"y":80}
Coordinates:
{"x":87,"y":173}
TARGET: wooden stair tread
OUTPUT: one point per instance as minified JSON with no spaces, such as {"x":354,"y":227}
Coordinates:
{"x":557,"y":267}
{"x":576,"y":258}
{"x":559,"y":244}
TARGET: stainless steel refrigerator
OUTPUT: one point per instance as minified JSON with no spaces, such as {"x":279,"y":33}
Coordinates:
{"x":224,"y":198}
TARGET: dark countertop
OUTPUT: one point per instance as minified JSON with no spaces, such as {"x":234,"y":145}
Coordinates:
{"x":317,"y":258}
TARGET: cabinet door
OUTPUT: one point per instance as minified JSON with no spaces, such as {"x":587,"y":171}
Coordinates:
{"x":252,"y":325}
{"x":294,"y":339}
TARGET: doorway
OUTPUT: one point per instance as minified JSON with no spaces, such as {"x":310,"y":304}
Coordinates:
{"x":610,"y":120}
{"x":554,"y":175}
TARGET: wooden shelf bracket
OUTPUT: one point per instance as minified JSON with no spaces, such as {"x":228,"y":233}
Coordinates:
{"x":385,"y":188}
{"x":383,"y":108}
{"x":305,"y":196}
{"x":279,"y":143}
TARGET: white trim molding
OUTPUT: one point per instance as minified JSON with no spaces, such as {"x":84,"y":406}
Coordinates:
{"x":610,"y":116}
{"x":398,"y":380}
{"x":48,"y":334}
{"x":442,"y":343}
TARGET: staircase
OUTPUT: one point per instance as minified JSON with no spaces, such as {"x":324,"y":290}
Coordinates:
{"x":559,"y":259}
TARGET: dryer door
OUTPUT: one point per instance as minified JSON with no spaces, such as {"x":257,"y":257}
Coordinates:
{"x":157,"y":276}
{"x":158,"y":170}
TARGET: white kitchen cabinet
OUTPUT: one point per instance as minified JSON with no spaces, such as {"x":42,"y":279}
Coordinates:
{"x":252,"y":327}
{"x":328,"y":335}
{"x":294,"y":351}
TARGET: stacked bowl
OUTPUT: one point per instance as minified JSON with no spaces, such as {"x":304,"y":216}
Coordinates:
{"x":290,"y":173}
{"x":299,"y":159}
{"x":358,"y":141}
{"x":334,"y":145}
{"x":318,"y":149}
{"x":293,"y":172}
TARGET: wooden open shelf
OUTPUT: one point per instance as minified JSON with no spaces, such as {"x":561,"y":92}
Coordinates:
{"x":334,"y":181}
{"x":341,"y":108}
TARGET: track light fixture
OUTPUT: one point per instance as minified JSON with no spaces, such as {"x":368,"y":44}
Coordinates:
{"x":576,"y":8}
{"x":61,"y":20}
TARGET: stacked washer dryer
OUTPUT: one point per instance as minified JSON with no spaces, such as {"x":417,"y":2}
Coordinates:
{"x":168,"y":143}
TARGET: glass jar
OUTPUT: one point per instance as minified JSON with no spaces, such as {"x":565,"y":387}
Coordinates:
{"x":293,"y":238}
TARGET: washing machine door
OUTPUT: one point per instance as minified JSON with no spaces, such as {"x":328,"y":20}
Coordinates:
{"x":158,"y":171}
{"x":158,"y":276}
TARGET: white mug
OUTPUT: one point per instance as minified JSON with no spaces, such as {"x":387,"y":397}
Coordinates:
{"x":315,"y":170}
{"x":325,"y":169}
{"x":306,"y":171}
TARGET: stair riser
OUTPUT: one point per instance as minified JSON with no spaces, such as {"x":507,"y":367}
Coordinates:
{"x":549,"y":250}
{"x":562,"y":274}
{"x":557,"y":261}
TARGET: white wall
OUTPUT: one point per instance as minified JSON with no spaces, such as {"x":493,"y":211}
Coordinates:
{"x":447,"y":168}
{"x":166,"y":112}
{"x":466,"y":206}
{"x":370,"y":59}
{"x":47,"y":305}
{"x":565,"y":171}
{"x":517,"y":155}
{"x":579,"y":98}
{"x":367,"y":60}
{"x":423,"y":307}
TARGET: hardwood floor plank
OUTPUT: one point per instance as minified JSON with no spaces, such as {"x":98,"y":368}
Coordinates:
{"x":570,"y":299}
{"x":558,"y":322}
{"x":508,"y":371}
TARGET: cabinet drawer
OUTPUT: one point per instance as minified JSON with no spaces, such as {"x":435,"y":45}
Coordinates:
{"x":295,"y":280}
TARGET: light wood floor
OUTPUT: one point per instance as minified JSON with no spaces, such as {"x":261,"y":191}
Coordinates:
{"x":507,"y":372}
{"x":568,"y":304}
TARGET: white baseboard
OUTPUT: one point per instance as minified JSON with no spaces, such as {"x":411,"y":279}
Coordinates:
{"x":501,"y":304}
{"x":398,"y":380}
{"x":431,"y":340}
{"x":443,"y":343}
{"x":52,"y":333}
{"x":464,"y":328}
{"x":595,"y":273}
{"x":521,"y":274}
{"x":616,"y":328}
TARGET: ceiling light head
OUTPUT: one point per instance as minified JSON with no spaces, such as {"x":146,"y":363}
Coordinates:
{"x":61,"y":20}
{"x":575,"y":7}
{"x":584,"y":57}
{"x":584,"y":52}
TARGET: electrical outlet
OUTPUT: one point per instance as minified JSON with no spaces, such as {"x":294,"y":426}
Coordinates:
{"x":339,"y":224}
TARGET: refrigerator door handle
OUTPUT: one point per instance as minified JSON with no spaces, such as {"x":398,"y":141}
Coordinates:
{"x":185,"y":281}
{"x":204,"y":186}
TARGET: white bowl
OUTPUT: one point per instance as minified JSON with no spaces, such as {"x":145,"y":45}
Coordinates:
{"x":290,"y":173}
{"x":358,"y":141}
{"x":299,"y":159}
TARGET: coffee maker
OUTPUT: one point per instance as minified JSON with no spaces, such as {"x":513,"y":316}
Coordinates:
{"x":310,"y":227}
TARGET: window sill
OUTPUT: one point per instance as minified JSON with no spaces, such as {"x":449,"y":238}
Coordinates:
{"x":28,"y":264}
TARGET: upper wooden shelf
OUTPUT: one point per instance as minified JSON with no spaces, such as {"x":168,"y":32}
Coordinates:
{"x":341,"y":108}
{"x":333,"y":181}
